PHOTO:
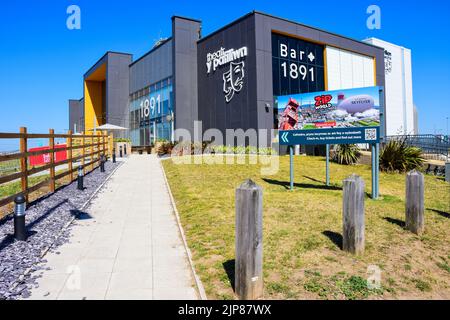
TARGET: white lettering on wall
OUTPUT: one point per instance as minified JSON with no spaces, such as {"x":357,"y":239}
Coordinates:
{"x":222,"y":57}
{"x":233,"y":78}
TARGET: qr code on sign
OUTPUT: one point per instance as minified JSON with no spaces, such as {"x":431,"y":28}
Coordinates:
{"x":371,"y":134}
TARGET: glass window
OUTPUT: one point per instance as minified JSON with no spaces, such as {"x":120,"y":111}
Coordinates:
{"x":154,"y":101}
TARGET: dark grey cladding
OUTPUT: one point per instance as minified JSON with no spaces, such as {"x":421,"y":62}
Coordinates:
{"x":117,"y":80}
{"x":76,"y":115}
{"x":154,"y":66}
{"x":213,"y":110}
{"x":185,"y":34}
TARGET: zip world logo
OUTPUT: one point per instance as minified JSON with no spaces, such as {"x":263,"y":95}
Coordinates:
{"x":233,"y":80}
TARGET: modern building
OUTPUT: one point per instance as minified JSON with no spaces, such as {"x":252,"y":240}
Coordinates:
{"x":227,"y":79}
{"x":401,"y":116}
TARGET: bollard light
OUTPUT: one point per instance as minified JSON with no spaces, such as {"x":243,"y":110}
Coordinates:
{"x":120,"y":152}
{"x":125,"y":150}
{"x":20,"y":232}
{"x":114,"y":155}
{"x":80,"y":178}
{"x":102,"y":163}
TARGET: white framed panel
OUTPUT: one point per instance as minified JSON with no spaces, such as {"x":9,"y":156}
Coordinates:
{"x":347,"y":70}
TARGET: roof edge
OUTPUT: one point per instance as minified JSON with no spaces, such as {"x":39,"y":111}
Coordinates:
{"x":149,"y":52}
{"x":103,"y":57}
{"x":390,"y":43}
{"x":255,"y":12}
{"x":186,"y":18}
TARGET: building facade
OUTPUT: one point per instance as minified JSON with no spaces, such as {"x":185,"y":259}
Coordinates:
{"x":401,"y":116}
{"x":228,"y":79}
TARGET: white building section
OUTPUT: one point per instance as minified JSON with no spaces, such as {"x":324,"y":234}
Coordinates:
{"x":401,"y":117}
{"x":348,"y":70}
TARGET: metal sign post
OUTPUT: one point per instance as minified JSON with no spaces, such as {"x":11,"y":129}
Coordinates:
{"x":328,"y":165}
{"x":291,"y":166}
{"x":375,"y":170}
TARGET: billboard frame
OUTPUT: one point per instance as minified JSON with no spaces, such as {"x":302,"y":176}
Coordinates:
{"x":375,"y":149}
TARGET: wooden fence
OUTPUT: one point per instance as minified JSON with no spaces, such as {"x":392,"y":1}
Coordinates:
{"x":82,"y":149}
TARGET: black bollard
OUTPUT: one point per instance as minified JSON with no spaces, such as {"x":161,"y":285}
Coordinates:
{"x":80,"y":178}
{"x":120,"y":152}
{"x":125,"y":150}
{"x":20,"y":231}
{"x":114,"y":155}
{"x":102,"y":163}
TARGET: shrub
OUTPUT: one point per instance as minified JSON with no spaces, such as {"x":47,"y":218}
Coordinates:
{"x":397,"y":156}
{"x":251,"y":150}
{"x":346,"y":154}
{"x":163,"y":147}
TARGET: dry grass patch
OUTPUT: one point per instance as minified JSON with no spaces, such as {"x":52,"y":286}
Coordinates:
{"x":302,"y":232}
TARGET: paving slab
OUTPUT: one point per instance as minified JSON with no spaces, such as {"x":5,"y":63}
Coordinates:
{"x":127,"y":246}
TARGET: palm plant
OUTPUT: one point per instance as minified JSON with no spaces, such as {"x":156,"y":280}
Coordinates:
{"x":346,"y":154}
{"x":397,"y":156}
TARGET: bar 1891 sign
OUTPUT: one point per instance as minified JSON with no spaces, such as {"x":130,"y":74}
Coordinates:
{"x":350,"y":116}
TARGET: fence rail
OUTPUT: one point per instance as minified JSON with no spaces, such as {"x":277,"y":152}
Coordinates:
{"x":433,"y":146}
{"x":83,"y":149}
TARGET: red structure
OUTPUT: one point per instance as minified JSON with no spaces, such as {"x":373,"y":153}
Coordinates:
{"x":289,"y":117}
{"x":43,"y":159}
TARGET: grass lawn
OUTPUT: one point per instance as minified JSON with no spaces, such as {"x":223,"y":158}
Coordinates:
{"x":302,"y":232}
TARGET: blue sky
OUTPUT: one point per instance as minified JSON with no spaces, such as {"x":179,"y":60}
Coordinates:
{"x":42,"y":62}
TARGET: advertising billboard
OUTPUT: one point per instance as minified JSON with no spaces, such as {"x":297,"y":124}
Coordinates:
{"x":330,"y":117}
{"x":44,"y":159}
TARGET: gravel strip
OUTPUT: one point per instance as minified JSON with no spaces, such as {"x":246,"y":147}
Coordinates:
{"x":45,"y":220}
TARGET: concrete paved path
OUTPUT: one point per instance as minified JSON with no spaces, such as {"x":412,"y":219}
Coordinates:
{"x":130,"y":246}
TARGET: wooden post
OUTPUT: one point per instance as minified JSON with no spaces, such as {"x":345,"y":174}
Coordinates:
{"x":103,"y":145}
{"x":415,"y":206}
{"x":51,"y":142}
{"x":24,"y":162}
{"x":249,"y":246}
{"x":111,"y":144}
{"x":83,"y":152}
{"x":99,"y":134}
{"x":69,"y":154}
{"x":447,"y":172}
{"x":91,"y":151}
{"x":353,"y":215}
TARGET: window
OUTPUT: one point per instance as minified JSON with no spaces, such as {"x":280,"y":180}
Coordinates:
{"x":148,"y":113}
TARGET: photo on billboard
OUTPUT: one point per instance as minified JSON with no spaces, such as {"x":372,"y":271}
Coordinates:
{"x":329,"y":109}
{"x":326,"y":117}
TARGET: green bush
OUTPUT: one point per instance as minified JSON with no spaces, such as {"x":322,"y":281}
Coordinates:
{"x":397,"y":156}
{"x":346,"y":154}
{"x":122,"y":140}
{"x":163,"y":147}
{"x":243,"y":150}
{"x":191,"y":148}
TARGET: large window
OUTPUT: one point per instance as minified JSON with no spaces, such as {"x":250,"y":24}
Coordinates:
{"x":151,"y":113}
